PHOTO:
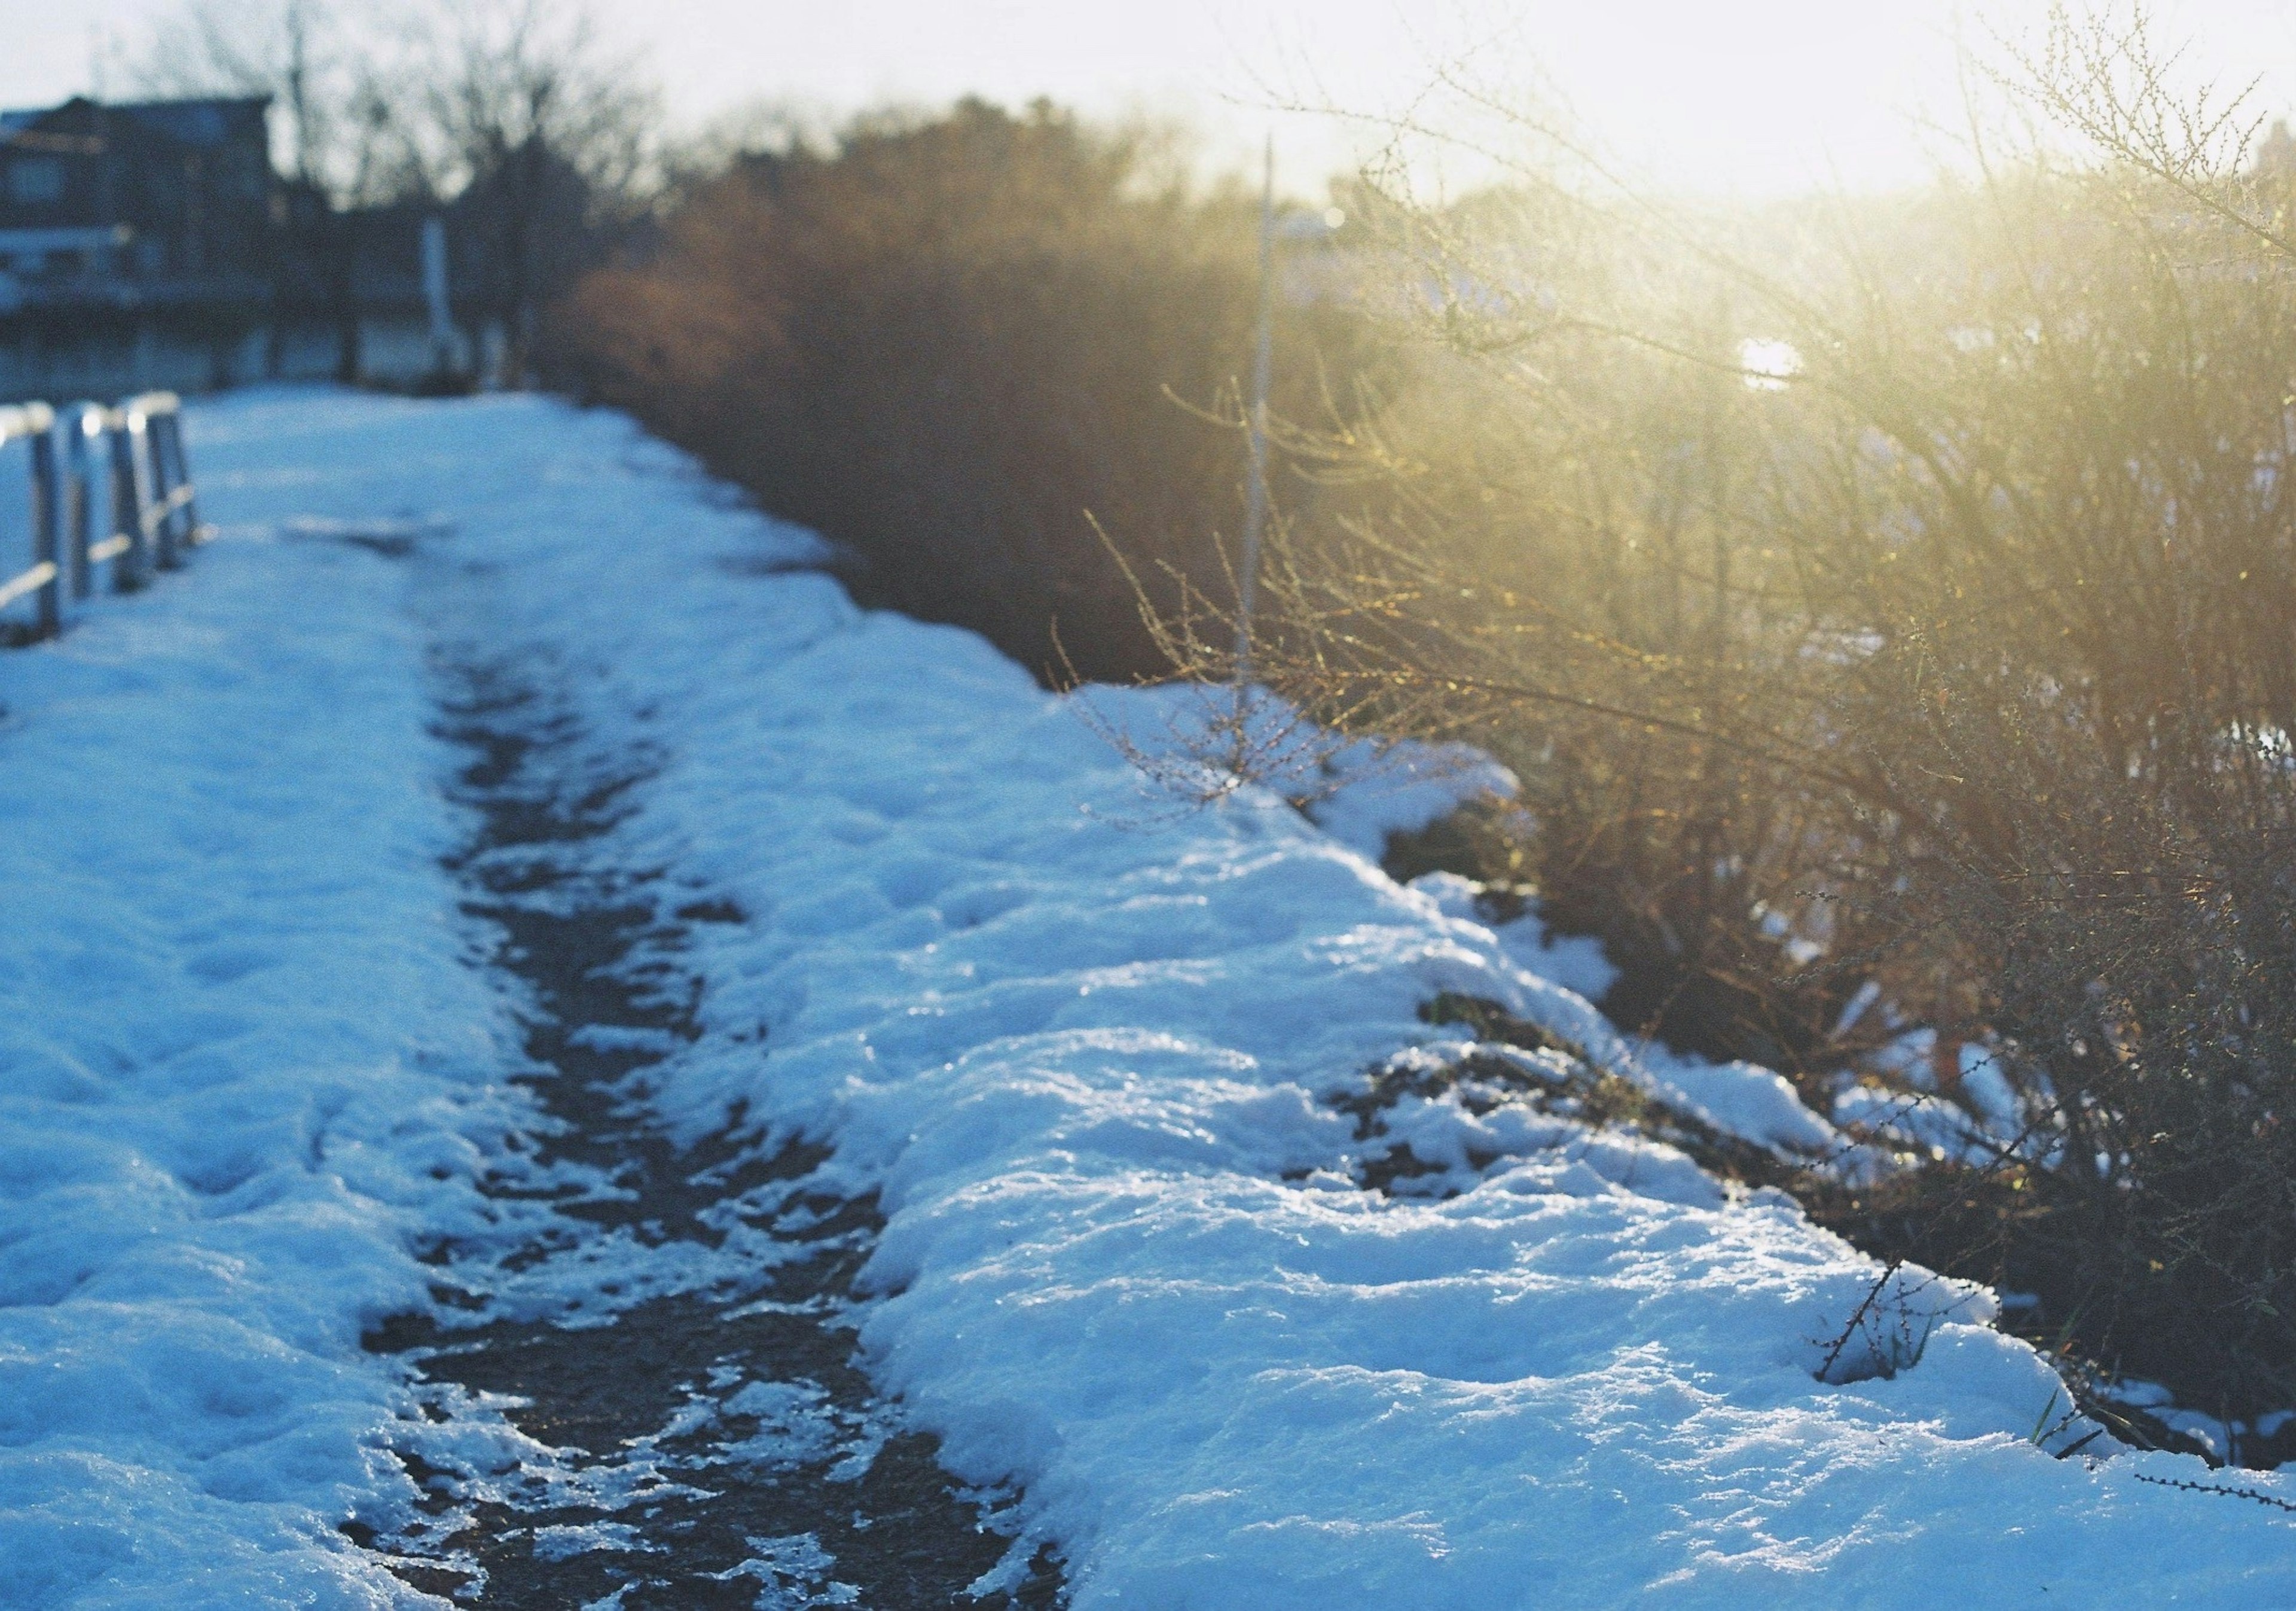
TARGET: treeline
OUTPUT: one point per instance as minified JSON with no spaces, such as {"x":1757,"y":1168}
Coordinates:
{"x":1886,"y":605}
{"x":545,"y":148}
{"x":965,"y":347}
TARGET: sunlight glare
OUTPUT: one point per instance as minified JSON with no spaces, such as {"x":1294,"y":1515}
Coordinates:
{"x":1769,"y":365}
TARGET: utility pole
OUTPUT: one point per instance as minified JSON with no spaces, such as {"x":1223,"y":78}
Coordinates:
{"x":435,"y":297}
{"x":1255,"y":505}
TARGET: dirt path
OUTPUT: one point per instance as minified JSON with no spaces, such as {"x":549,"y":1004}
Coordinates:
{"x":715,"y":1444}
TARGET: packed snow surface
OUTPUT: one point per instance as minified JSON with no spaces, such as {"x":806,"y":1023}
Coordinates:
{"x":244,"y":1070}
{"x":1089,"y":1048}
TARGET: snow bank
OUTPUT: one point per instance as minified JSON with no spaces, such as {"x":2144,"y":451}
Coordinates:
{"x":1402,"y":788}
{"x":1087,"y":1050}
{"x":244,"y":1072}
{"x":1565,"y":972}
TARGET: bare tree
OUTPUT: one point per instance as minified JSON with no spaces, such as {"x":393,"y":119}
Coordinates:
{"x":510,"y":112}
{"x":340,"y":142}
{"x":2106,"y":77}
{"x":546,"y":138}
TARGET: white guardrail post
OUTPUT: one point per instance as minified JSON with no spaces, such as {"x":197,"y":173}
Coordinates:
{"x":154,"y":424}
{"x":151,"y":519}
{"x":80,"y":424}
{"x":35,"y":423}
{"x":133,"y":568}
{"x":99,"y":457}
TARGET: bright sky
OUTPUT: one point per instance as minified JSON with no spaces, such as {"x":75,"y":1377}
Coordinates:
{"x":1757,"y":96}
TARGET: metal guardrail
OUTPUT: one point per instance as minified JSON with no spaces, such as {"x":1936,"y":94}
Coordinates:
{"x":119,"y":468}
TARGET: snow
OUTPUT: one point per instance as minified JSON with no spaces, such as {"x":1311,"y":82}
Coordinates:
{"x":1379,"y":791}
{"x":244,"y":1075}
{"x":1560,"y":974}
{"x":1089,"y":1052}
{"x":1574,"y":961}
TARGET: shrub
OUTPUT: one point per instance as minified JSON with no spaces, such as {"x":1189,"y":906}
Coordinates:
{"x":1949,"y":655}
{"x":944,"y":343}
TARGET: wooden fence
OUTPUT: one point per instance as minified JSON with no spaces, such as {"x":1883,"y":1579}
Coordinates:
{"x":109,"y":485}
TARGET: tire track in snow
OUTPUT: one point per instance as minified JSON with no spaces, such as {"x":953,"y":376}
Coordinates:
{"x":713,"y":1442}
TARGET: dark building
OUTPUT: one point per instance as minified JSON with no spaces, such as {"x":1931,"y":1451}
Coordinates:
{"x":151,"y":244}
{"x":166,"y":202}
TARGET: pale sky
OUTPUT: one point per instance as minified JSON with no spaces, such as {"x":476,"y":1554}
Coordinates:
{"x":1755,"y":97}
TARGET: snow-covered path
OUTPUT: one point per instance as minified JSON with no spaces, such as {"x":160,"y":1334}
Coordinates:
{"x":711,"y":1442}
{"x":260,"y":1097}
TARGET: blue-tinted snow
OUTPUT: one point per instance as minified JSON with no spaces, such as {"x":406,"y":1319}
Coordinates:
{"x":1083,"y":1049}
{"x":245,"y":1073}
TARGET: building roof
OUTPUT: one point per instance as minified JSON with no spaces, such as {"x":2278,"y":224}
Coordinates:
{"x":206,"y":122}
{"x":199,"y":121}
